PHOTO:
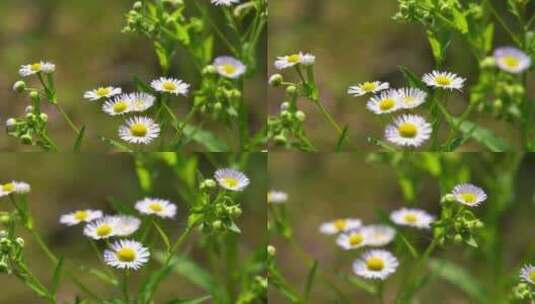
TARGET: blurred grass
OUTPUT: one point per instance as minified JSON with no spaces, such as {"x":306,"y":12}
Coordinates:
{"x":356,"y":41}
{"x":62,"y":183}
{"x":323,"y":187}
{"x":84,"y":40}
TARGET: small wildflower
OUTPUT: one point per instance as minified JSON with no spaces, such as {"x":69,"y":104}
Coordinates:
{"x":512,"y":60}
{"x":126,"y":225}
{"x":139,"y":130}
{"x":376,"y":264}
{"x":120,"y":105}
{"x":160,"y":207}
{"x":444,"y":80}
{"x":102,"y":92}
{"x":141,"y":101}
{"x":229,"y":67}
{"x":340,"y":225}
{"x":126,"y":254}
{"x":225,"y":2}
{"x":411,"y":97}
{"x":277,"y":197}
{"x":378,"y":235}
{"x":284,"y":62}
{"x":468,"y":194}
{"x":231,"y":179}
{"x":412,"y":217}
{"x":171,"y":86}
{"x":14,"y":187}
{"x":387,"y":102}
{"x":352,"y":240}
{"x":38,"y":67}
{"x":364,"y":88}
{"x":527,"y":273}
{"x":408,"y":130}
{"x":80,"y":216}
{"x":102,"y":228}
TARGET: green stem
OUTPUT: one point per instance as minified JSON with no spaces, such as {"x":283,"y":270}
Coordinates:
{"x":125,"y":287}
{"x":502,"y":23}
{"x":328,"y":116}
{"x":67,"y":119}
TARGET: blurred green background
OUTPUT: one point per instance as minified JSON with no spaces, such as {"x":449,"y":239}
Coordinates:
{"x":356,"y":41}
{"x":62,"y":183}
{"x":323,"y":187}
{"x":84,"y":40}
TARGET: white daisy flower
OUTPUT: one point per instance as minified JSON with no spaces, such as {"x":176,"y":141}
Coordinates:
{"x":125,"y":225}
{"x":284,"y":62}
{"x":468,"y":194}
{"x":378,"y":235}
{"x":376,"y":264}
{"x":364,"y":88}
{"x":102,"y":228}
{"x":412,"y":97}
{"x":512,"y":60}
{"x":340,"y":225}
{"x":277,"y":197}
{"x":170,"y":85}
{"x":14,"y":187}
{"x":141,"y":101}
{"x":231,"y":179}
{"x":229,"y":67}
{"x":352,"y":239}
{"x":527,"y":273}
{"x":225,"y":2}
{"x":139,"y":130}
{"x":417,"y":218}
{"x":80,"y":216}
{"x":408,"y":130}
{"x":160,"y":207}
{"x":126,"y":254}
{"x":38,"y":67}
{"x":444,"y":80}
{"x":102,"y":92}
{"x":120,"y":105}
{"x":386,"y":102}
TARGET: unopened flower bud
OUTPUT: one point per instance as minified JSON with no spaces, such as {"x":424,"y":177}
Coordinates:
{"x":34,"y":95}
{"x":138,"y":5}
{"x":271,"y":250}
{"x":208,"y":183}
{"x":28,"y":109}
{"x":300,"y":115}
{"x":488,"y":62}
{"x":458,"y":238}
{"x":285,"y":106}
{"x":217,"y":224}
{"x":276,"y":80}
{"x":11,"y":123}
{"x":280,"y":139}
{"x":209,"y":70}
{"x":20,"y":241}
{"x":19,"y":86}
{"x":43,"y":117}
{"x":218,"y":106}
{"x":291,"y":90}
{"x":26,"y":139}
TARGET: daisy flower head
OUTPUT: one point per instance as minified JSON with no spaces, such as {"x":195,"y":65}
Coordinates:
{"x":412,"y":217}
{"x":225,"y":2}
{"x":444,"y":80}
{"x":126,"y":254}
{"x":289,"y":61}
{"x":38,"y":67}
{"x":352,"y":239}
{"x":386,"y":102}
{"x":340,"y":225}
{"x":160,"y":207}
{"x":367,"y":87}
{"x":277,"y":197}
{"x":139,"y":130}
{"x":120,"y":105}
{"x":411,"y":97}
{"x":102,"y":92}
{"x":101,"y":228}
{"x":511,"y":59}
{"x":140,"y":102}
{"x":125,"y":225}
{"x":229,"y":67}
{"x":80,"y":216}
{"x":527,"y":273}
{"x":14,"y":187}
{"x":231,"y":179}
{"x":171,"y":86}
{"x":468,"y":194}
{"x":378,"y":235}
{"x":408,"y":130}
{"x":376,"y":264}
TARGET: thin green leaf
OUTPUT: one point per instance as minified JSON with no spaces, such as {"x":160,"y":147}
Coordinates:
{"x":57,"y":275}
{"x":163,"y":235}
{"x":79,"y":139}
{"x":341,"y":139}
{"x":205,"y":138}
{"x":191,"y":271}
{"x":408,"y":244}
{"x":412,"y":79}
{"x":358,"y":282}
{"x":310,"y":279}
{"x":190,"y":301}
{"x":482,"y":135}
{"x":116,"y":144}
{"x":148,"y":288}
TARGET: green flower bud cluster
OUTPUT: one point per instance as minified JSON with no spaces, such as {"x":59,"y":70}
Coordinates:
{"x":219,"y":214}
{"x":217,"y":96}
{"x":522,"y":292}
{"x":10,"y":252}
{"x":456,"y":223}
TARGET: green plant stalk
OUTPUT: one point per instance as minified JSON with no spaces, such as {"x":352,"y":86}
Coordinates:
{"x":125,"y":287}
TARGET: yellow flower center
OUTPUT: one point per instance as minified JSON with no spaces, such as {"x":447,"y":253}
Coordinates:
{"x":169,"y":86}
{"x":155,"y":207}
{"x":355,"y":239}
{"x":80,"y":215}
{"x":228,"y":69}
{"x":230,"y":182}
{"x":468,"y":197}
{"x":532,"y":275}
{"x":126,"y":254}
{"x":340,"y":224}
{"x":409,"y":100}
{"x":368,"y":86}
{"x":36,"y":67}
{"x":9,"y":187}
{"x":139,"y":129}
{"x":411,"y":218}
{"x":386,"y":104}
{"x":103,"y":230}
{"x":375,"y":264}
{"x":511,"y":61}
{"x":443,"y":80}
{"x":120,"y":107}
{"x":103,"y":92}
{"x":407,"y":130}
{"x":294,"y":58}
